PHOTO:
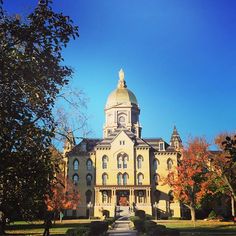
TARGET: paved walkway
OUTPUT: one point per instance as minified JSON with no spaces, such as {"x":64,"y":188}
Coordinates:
{"x":121,"y":228}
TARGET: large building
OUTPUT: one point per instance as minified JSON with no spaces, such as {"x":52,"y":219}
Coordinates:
{"x":123,"y":169}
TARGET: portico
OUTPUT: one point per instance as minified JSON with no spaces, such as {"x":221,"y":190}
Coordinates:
{"x":108,"y":197}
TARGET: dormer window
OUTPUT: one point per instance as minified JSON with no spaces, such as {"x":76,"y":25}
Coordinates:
{"x":161,"y":147}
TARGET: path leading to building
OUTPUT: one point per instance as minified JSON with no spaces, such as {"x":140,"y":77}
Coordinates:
{"x":122,"y":228}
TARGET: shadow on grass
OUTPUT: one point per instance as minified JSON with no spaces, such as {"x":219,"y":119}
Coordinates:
{"x":217,"y":228}
{"x":30,"y":226}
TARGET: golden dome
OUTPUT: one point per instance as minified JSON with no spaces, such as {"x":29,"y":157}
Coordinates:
{"x":121,"y":95}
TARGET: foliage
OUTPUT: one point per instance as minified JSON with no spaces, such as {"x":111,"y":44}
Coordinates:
{"x":31,"y":76}
{"x":80,"y":231}
{"x":110,"y":221}
{"x":141,"y":214}
{"x":65,"y":195}
{"x":98,"y":227}
{"x":138,"y":223}
{"x":212,"y":215}
{"x":223,"y":164}
{"x":189,"y":180}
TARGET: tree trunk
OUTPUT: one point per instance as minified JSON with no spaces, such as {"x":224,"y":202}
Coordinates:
{"x":193,"y":213}
{"x":2,"y":228}
{"x":232,"y":206}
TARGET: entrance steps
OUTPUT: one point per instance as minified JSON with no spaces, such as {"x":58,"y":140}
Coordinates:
{"x":123,"y":212}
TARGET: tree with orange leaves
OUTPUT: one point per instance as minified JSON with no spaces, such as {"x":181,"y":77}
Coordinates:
{"x":65,"y":195}
{"x":189,"y":180}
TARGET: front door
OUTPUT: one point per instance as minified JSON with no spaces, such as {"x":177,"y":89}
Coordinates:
{"x":123,"y":201}
{"x":123,"y":198}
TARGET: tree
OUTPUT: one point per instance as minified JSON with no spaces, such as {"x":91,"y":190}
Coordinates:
{"x":223,"y":166}
{"x":65,"y":194}
{"x":189,"y":180}
{"x":31,"y":77}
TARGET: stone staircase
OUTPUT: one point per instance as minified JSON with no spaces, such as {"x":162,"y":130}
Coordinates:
{"x":122,"y":212}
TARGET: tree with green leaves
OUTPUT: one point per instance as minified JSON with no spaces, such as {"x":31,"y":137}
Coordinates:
{"x":31,"y":76}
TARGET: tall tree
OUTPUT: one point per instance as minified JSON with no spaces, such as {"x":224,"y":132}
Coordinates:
{"x":31,"y":76}
{"x":190,"y":179}
{"x":223,"y":166}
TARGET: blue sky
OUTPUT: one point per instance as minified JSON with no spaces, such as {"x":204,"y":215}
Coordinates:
{"x":179,"y":58}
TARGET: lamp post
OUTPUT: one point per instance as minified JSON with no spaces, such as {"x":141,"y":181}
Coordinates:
{"x":89,"y":206}
{"x":155,"y":206}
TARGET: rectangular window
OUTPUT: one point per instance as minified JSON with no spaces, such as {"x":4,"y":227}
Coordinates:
{"x":161,"y":146}
{"x":122,"y":142}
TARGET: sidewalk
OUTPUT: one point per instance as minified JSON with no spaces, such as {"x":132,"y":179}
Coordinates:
{"x":121,"y":228}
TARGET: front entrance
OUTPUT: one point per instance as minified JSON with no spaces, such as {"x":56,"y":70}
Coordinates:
{"x":122,"y":198}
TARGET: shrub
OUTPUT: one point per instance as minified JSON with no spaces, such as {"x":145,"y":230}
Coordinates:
{"x":141,"y":214}
{"x":150,"y":217}
{"x":81,"y":231}
{"x":98,"y":227}
{"x":138,"y":224}
{"x":212,"y":215}
{"x":110,"y":221}
{"x":150,"y":226}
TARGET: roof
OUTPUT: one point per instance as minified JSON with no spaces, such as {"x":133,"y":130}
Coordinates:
{"x":107,"y":141}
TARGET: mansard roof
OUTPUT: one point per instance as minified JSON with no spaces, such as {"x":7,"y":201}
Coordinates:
{"x":86,"y":145}
{"x":107,"y":141}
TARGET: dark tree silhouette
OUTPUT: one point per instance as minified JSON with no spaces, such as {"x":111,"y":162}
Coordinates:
{"x":31,"y":76}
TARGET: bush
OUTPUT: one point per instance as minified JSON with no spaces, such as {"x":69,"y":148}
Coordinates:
{"x":98,"y":227}
{"x":138,"y":223}
{"x":150,"y":217}
{"x":212,"y":215}
{"x":150,"y":226}
{"x":110,"y":221}
{"x":141,"y":214}
{"x":81,"y":231}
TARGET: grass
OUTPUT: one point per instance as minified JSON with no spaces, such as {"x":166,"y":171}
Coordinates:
{"x":21,"y":228}
{"x":202,"y":228}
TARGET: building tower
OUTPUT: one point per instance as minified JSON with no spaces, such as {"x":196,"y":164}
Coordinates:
{"x":121,"y":109}
{"x":175,"y":140}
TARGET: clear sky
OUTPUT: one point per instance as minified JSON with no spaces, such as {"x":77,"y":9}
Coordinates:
{"x":179,"y":58}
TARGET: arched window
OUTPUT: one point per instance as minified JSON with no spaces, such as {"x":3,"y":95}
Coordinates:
{"x":104,"y":162}
{"x":125,"y":160}
{"x":104,"y":178}
{"x":121,"y":121}
{"x":155,"y":164}
{"x":156,"y":179}
{"x":88,"y":195}
{"x":171,"y":196}
{"x":76,"y":164}
{"x":139,"y":162}
{"x":169,"y":164}
{"x":119,"y":179}
{"x":104,"y":197}
{"x":89,"y":179}
{"x":75,"y":179}
{"x":89,"y":164}
{"x":140,"y":179}
{"x":125,"y":178}
{"x":119,"y":162}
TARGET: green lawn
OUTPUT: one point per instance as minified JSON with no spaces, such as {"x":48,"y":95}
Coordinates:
{"x":203,"y":228}
{"x":36,"y":228}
